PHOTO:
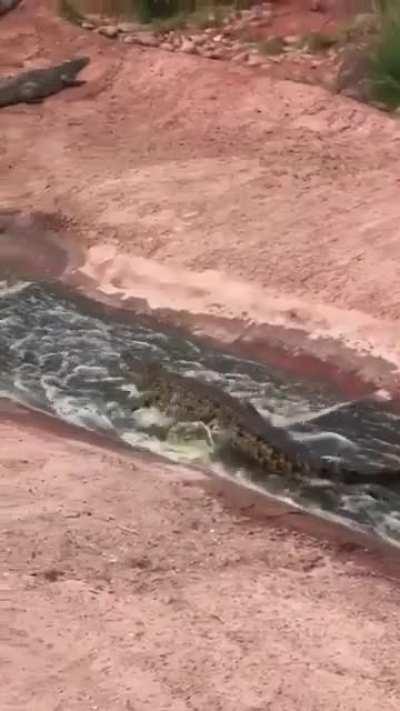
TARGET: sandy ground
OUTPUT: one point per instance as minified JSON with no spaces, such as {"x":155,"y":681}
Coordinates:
{"x":126,"y":586}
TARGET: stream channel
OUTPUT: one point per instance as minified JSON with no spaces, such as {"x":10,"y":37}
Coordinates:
{"x":61,"y":354}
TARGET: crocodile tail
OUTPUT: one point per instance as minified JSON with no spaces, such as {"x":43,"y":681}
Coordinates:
{"x":349,"y":475}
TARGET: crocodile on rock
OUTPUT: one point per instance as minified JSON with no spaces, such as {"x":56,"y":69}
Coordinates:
{"x":238,"y":426}
{"x":35,"y":85}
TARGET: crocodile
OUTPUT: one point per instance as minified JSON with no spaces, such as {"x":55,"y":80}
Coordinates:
{"x":35,"y":85}
{"x":237,"y":426}
{"x":7,"y":5}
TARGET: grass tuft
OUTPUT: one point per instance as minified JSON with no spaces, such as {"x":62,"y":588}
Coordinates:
{"x":384,"y":72}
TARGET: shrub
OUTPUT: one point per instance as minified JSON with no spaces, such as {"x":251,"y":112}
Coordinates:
{"x":385,"y":60}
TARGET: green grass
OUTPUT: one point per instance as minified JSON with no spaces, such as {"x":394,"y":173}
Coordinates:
{"x":272,"y":46}
{"x":205,"y":16}
{"x":68,"y":11}
{"x":320,"y":41}
{"x":168,"y":24}
{"x":385,"y":65}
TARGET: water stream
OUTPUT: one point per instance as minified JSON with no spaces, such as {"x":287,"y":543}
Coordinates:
{"x":61,"y":357}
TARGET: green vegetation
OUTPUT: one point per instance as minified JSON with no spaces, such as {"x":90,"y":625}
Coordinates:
{"x":202,"y":13}
{"x":201,"y":18}
{"x":274,"y":45}
{"x":69,"y":12}
{"x":320,"y":41}
{"x":385,"y":63}
{"x":383,"y":72}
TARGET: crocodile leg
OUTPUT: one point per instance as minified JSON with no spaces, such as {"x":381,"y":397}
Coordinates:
{"x":71,"y":81}
{"x":34,"y":100}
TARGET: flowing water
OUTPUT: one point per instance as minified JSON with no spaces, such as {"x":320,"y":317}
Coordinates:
{"x":61,"y":354}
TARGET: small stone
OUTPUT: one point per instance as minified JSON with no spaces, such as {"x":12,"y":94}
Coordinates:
{"x":219,"y":53}
{"x":167,"y":46}
{"x":198,"y":40}
{"x":367,"y":22}
{"x":147,"y":39}
{"x":292,"y":39}
{"x":110,"y":31}
{"x":129,"y":39}
{"x":262,"y":21}
{"x":241,"y":57}
{"x":95,"y":19}
{"x":254,"y":60}
{"x":188,"y":46}
{"x":87,"y":25}
{"x":126,"y":27}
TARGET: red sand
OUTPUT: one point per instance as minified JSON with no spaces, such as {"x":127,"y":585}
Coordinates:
{"x":126,"y":586}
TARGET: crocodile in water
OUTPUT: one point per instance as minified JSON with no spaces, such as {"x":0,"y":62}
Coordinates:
{"x":35,"y":85}
{"x":237,"y":424}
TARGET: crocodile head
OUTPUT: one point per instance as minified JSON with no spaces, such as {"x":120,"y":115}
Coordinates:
{"x":144,"y":374}
{"x":71,"y":68}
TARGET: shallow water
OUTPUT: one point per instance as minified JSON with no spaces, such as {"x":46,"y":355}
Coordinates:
{"x":58,"y":356}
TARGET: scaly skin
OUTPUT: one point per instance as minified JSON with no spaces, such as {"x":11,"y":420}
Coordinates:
{"x":237,"y":424}
{"x":230,"y":421}
{"x":36,"y":85}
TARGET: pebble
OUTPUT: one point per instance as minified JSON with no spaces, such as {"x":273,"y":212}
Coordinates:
{"x":241,"y":57}
{"x":188,"y":46}
{"x":210,"y":43}
{"x":292,"y":39}
{"x":147,"y":39}
{"x":213,"y":53}
{"x":110,"y":31}
{"x":126,"y":27}
{"x":254,"y":60}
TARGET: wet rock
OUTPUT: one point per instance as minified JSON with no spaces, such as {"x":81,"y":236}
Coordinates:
{"x":110,"y":31}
